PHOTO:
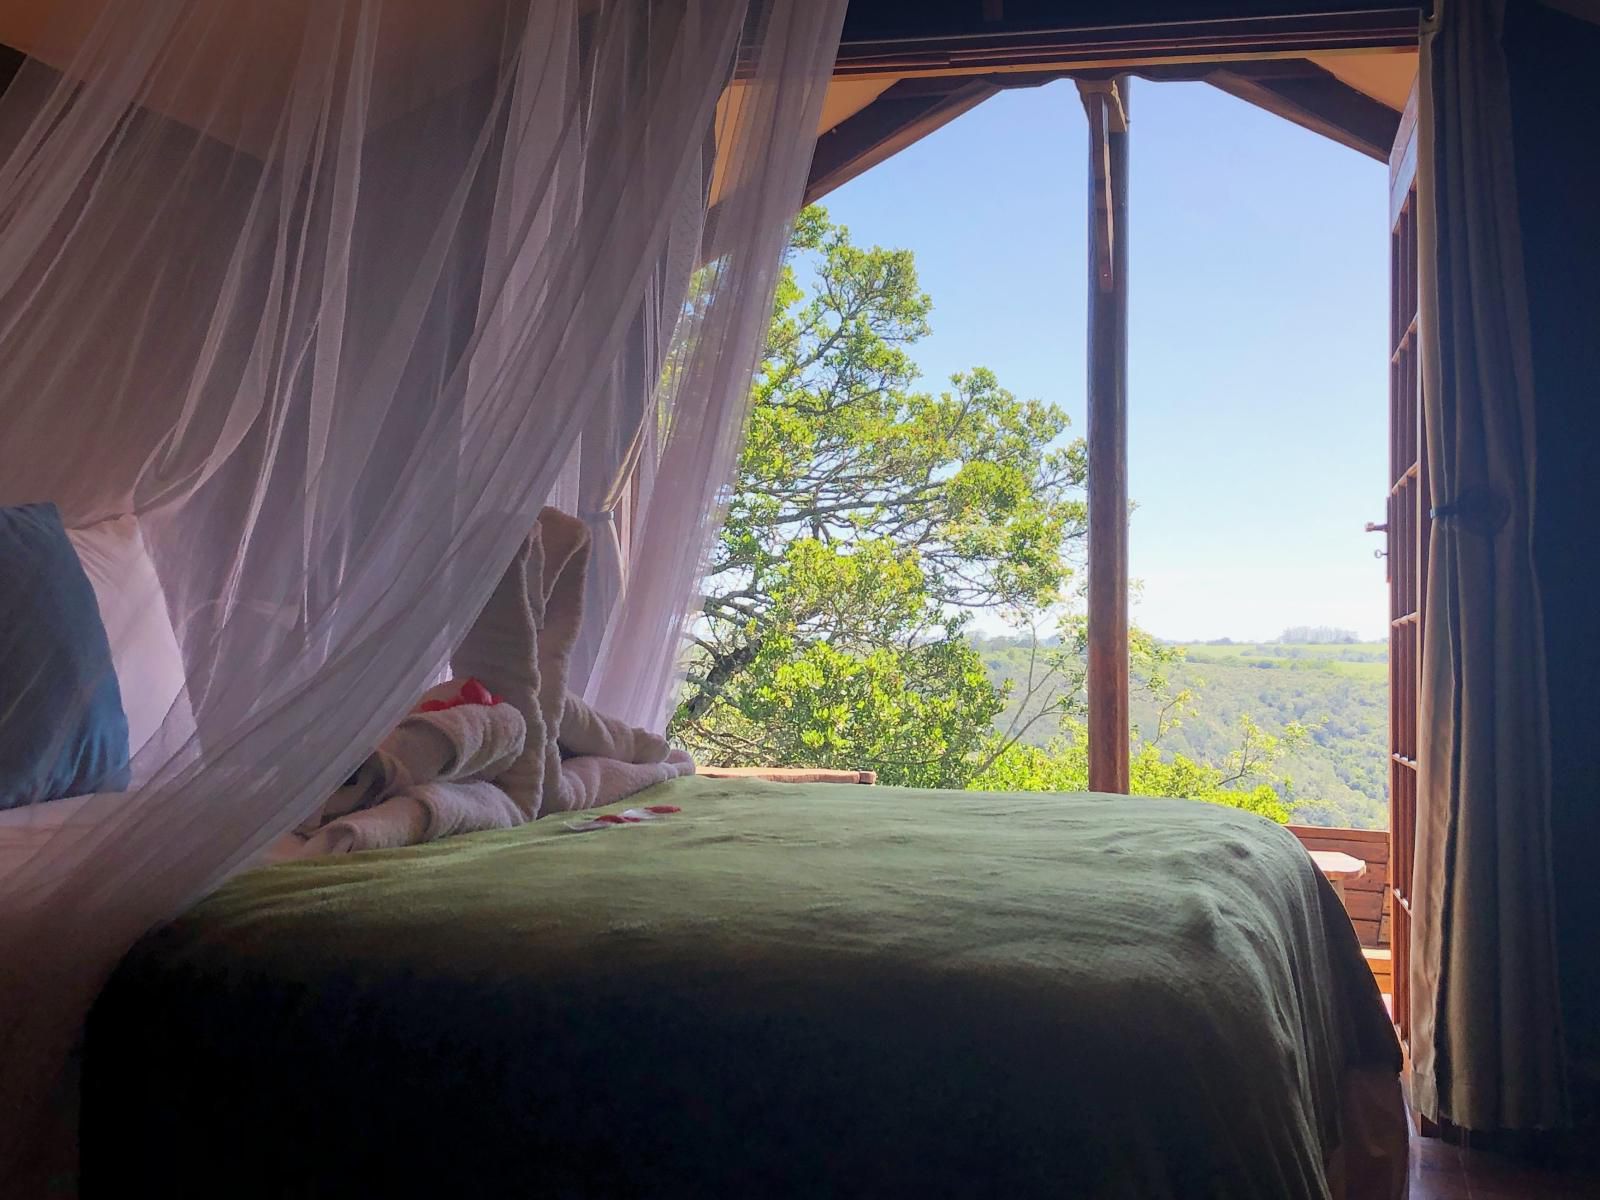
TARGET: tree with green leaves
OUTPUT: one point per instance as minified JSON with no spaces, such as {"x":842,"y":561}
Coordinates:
{"x":870,"y":519}
{"x":1247,"y":779}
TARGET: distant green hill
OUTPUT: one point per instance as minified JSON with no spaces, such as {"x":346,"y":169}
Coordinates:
{"x":1341,"y":778}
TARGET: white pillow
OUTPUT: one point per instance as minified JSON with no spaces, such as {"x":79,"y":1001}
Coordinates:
{"x":144,"y":649}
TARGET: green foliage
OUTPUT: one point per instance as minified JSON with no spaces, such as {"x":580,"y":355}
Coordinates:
{"x":919,"y":716}
{"x":1339,"y":770}
{"x":1062,"y":765}
{"x":843,"y":450}
{"x":869,"y":519}
{"x":1247,"y":777}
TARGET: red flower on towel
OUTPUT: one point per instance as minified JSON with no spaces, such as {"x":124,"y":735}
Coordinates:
{"x":472,"y":692}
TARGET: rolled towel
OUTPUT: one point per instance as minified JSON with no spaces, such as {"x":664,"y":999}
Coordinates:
{"x":520,"y":644}
{"x":585,"y":731}
{"x":466,"y":808}
{"x":398,"y":821}
{"x":501,"y":648}
{"x":378,"y":776}
{"x":451,"y":745}
{"x":418,"y":814}
{"x":462,"y":743}
{"x":591,"y":781}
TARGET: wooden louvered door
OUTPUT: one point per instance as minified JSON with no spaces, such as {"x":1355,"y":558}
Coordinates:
{"x":1407,"y":536}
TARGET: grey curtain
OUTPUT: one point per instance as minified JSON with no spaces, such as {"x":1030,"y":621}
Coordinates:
{"x":1487,"y":1048}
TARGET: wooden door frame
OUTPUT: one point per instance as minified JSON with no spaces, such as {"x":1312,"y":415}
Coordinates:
{"x":1407,"y":529}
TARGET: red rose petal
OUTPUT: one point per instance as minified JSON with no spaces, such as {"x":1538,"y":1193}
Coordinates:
{"x":662,"y":808}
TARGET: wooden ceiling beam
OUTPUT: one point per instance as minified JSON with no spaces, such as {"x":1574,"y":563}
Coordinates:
{"x":953,"y":54}
{"x":1314,"y":99}
{"x":962,"y":40}
{"x":908,"y":111}
{"x":882,"y":20}
{"x":1295,"y":89}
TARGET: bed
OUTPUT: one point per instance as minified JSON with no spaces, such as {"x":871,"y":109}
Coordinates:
{"x":780,"y":990}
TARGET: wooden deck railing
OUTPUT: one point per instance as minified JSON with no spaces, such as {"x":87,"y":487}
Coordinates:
{"x":1365,"y":899}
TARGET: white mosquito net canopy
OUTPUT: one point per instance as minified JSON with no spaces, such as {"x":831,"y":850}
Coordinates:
{"x":331,"y":296}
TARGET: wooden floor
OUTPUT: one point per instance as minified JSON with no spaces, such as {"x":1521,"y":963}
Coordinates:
{"x":1444,"y":1172}
{"x":1440,"y":1171}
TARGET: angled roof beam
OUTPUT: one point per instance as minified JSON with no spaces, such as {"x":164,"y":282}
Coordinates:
{"x":1313,"y":98}
{"x":907,"y":112}
{"x":1302,"y":92}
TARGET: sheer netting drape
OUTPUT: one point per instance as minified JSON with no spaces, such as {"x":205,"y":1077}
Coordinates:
{"x":649,"y":471}
{"x":690,"y":440}
{"x":326,"y":293}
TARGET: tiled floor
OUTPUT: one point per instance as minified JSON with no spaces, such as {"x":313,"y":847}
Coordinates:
{"x":1443,"y":1172}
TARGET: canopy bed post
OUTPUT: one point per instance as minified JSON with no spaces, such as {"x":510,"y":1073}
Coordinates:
{"x":1105,"y":102}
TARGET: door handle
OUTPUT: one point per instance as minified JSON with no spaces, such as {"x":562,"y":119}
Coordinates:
{"x":1378,"y":527}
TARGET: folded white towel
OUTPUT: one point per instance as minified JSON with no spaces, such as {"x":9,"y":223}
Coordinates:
{"x":429,"y":778}
{"x":453,"y":745}
{"x":590,"y":781}
{"x":420,"y":813}
{"x":585,"y":731}
{"x":477,"y":766}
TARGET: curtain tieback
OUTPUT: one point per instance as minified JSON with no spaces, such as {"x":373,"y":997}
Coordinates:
{"x":599,"y":516}
{"x":1479,"y":509}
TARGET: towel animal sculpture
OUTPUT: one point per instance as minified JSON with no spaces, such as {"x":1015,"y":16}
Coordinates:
{"x":504,"y":742}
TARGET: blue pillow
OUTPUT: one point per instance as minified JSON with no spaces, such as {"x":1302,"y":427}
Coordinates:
{"x":62,"y":728}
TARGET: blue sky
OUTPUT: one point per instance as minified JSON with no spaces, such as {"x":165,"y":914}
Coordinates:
{"x":1258,"y":371}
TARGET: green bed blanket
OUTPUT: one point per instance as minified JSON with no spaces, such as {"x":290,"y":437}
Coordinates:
{"x":782,"y":990}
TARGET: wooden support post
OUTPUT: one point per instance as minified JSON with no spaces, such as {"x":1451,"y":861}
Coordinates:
{"x":1106,"y":101}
